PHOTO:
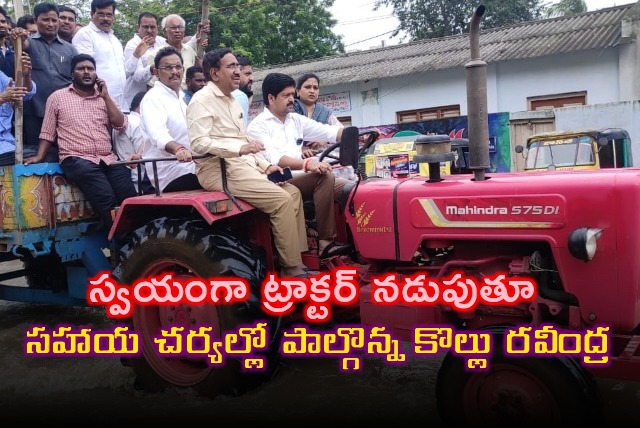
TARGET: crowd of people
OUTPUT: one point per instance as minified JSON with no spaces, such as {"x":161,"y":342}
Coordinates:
{"x":88,"y":102}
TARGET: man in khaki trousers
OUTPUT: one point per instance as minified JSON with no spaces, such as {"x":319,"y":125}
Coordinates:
{"x":216,"y":126}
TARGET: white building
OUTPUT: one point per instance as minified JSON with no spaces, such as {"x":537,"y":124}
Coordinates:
{"x":589,"y":64}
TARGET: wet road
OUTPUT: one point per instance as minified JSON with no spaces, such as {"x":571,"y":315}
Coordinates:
{"x":38,"y":389}
{"x":310,"y":391}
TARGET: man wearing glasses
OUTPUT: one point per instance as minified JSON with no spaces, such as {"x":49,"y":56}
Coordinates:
{"x":216,"y":126}
{"x":164,"y":126}
{"x":98,"y":40}
{"x":174,"y":26}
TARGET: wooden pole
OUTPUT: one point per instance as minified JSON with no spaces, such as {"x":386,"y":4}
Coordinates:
{"x":18,"y":105}
{"x":19,"y":81}
{"x":17,"y":6}
{"x":203,"y":20}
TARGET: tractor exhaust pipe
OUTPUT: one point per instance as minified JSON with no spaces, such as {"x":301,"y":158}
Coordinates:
{"x":477,"y":116}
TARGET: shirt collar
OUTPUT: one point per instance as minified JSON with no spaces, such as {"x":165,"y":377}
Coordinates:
{"x":39,"y":36}
{"x":168,"y":90}
{"x":95,"y":28}
{"x":73,"y":89}
{"x":268,"y":115}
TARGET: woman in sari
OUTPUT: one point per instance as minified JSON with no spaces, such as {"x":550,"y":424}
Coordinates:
{"x":306,"y":104}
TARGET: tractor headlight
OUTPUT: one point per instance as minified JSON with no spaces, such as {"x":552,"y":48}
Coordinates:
{"x":583,"y":243}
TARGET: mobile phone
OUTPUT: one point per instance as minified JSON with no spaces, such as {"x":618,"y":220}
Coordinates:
{"x":278,"y":177}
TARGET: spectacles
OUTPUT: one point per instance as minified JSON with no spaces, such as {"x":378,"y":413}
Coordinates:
{"x":102,"y":15}
{"x":172,"y":67}
{"x":234,"y":66}
{"x":180,"y":28}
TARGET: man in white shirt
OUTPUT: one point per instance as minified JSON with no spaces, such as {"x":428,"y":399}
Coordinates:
{"x":144,"y":45}
{"x":129,"y":144}
{"x":140,"y":51}
{"x":164,"y":124}
{"x":174,"y":26}
{"x":279,"y":129}
{"x":98,"y":40}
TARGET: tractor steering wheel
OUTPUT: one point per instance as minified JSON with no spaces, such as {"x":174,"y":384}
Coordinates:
{"x":327,"y":153}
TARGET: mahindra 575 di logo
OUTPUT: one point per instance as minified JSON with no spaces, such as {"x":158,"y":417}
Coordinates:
{"x":526,"y":211}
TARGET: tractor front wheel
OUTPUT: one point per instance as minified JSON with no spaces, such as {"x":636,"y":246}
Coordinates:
{"x":189,"y":250}
{"x":523,"y":391}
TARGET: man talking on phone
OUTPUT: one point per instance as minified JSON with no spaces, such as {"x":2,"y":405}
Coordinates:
{"x":81,"y":118}
{"x":279,"y":130}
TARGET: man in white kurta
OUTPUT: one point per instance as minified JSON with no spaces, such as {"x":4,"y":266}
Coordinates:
{"x":144,"y":45}
{"x":164,"y":125}
{"x":98,"y":40}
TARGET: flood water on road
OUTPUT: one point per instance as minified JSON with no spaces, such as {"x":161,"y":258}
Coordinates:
{"x":312,"y":391}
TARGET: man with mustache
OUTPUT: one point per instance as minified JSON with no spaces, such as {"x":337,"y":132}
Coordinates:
{"x":68,"y":23}
{"x":81,"y":117}
{"x":174,"y":26}
{"x":215,"y":126}
{"x":279,"y":130}
{"x":140,"y":50}
{"x":244,"y":94}
{"x":164,"y":126}
{"x":137,"y":52}
{"x":98,"y":40}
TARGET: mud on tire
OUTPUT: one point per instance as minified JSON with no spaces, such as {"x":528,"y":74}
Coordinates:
{"x":191,"y":249}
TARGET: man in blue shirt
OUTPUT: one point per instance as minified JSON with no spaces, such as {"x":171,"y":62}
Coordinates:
{"x":10,"y":95}
{"x":194,"y":81}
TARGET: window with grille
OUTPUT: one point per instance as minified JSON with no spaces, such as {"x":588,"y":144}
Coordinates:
{"x":428,"y":114}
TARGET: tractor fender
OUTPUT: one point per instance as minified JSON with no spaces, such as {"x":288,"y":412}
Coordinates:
{"x":138,"y":211}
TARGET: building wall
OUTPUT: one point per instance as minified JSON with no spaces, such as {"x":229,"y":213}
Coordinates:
{"x":624,"y":115}
{"x":508,"y":86}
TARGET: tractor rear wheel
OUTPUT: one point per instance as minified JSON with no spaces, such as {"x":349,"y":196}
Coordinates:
{"x":190,"y":250}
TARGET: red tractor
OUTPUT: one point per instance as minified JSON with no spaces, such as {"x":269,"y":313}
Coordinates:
{"x":572,"y":232}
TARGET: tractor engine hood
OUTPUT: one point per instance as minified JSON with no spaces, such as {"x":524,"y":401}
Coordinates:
{"x":391,"y":218}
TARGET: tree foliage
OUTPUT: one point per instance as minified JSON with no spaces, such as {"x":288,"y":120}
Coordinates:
{"x":267,"y":31}
{"x":566,"y":7}
{"x":426,"y":19}
{"x":276,"y":31}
